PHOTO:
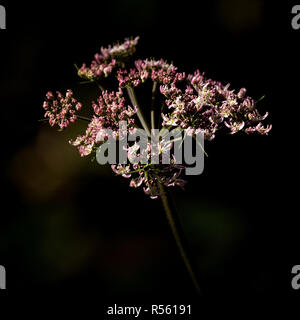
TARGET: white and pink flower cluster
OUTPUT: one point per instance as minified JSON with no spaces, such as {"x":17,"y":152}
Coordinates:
{"x":109,"y":110}
{"x":61,"y":110}
{"x":207,"y":105}
{"x":104,"y":63}
{"x":156,"y":70}
{"x":149,"y":175}
{"x":191,"y":102}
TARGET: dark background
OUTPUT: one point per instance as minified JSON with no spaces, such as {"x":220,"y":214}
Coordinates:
{"x":70,"y":225}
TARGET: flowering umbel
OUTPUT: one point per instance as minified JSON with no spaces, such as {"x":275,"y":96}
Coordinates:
{"x":208,"y":105}
{"x":61,"y":110}
{"x":109,"y":110}
{"x":108,"y":59}
{"x":191,"y":102}
{"x":149,"y":175}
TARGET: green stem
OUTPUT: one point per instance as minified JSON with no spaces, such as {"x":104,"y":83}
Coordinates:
{"x":93,"y":81}
{"x":139,"y":111}
{"x":84,"y":118}
{"x":175,"y":227}
{"x":99,"y":86}
{"x":152,"y":105}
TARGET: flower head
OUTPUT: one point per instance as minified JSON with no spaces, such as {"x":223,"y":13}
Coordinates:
{"x":61,"y":110}
{"x":149,"y":175}
{"x":109,"y":110}
{"x":209,"y":106}
{"x":104,"y":63}
{"x":157,"y":70}
{"x":120,"y":51}
{"x":194,"y":103}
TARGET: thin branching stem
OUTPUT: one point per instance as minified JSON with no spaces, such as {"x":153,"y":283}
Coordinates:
{"x":78,"y":117}
{"x":84,"y":118}
{"x":153,"y":105}
{"x":175,"y":227}
{"x":100,"y":86}
{"x":133,"y":100}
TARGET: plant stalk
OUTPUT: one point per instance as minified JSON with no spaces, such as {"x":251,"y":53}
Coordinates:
{"x":178,"y":235}
{"x":153,"y":105}
{"x":84,"y":118}
{"x":99,"y":86}
{"x":139,"y":111}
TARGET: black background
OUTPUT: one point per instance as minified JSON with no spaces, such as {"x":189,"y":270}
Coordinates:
{"x":70,"y":225}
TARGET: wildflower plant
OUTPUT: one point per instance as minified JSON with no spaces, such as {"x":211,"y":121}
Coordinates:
{"x":191,"y":103}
